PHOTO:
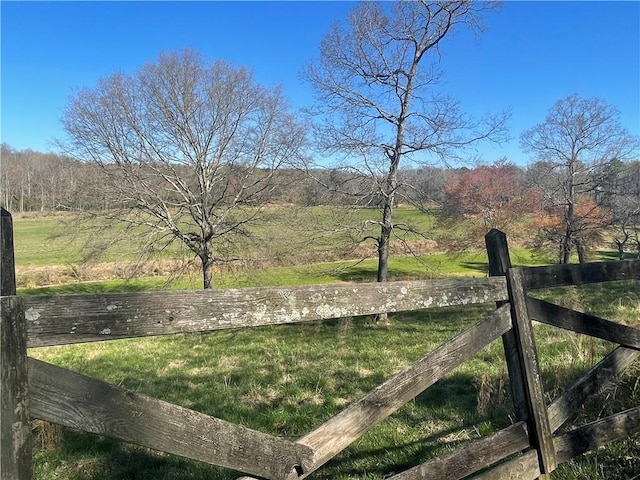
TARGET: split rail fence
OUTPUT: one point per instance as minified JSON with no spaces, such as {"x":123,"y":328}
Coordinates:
{"x":530,"y":448}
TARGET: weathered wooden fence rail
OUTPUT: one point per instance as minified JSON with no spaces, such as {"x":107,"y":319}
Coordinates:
{"x":527,"y":449}
{"x":66,"y":319}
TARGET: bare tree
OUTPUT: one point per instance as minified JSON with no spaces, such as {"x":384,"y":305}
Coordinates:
{"x":379,"y":103}
{"x":188,"y":150}
{"x":620,"y":191}
{"x":578,"y":137}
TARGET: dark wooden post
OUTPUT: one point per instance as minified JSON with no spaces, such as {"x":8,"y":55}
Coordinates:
{"x":539,"y":428}
{"x":521,"y":355}
{"x":499,"y":263}
{"x":15,"y":427}
{"x":7,"y":260}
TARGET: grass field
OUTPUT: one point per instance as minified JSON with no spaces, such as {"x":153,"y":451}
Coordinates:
{"x":52,"y":239}
{"x":50,"y":253}
{"x":285,"y":380}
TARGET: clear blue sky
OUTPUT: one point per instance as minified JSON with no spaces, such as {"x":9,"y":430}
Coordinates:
{"x":533,"y":54}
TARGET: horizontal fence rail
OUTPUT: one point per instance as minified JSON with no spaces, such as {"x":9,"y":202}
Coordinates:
{"x":584,"y":323}
{"x":580,"y":274}
{"x":67,"y":319}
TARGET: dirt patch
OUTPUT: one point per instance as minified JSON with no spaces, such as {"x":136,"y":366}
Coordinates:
{"x":38,"y":276}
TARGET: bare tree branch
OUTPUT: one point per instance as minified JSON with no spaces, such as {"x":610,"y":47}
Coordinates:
{"x":189,"y":149}
{"x":379,"y":101}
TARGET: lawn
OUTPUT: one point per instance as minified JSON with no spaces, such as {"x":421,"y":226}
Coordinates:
{"x":285,"y":380}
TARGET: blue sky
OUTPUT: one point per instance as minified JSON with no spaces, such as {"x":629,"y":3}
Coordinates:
{"x":533,"y":54}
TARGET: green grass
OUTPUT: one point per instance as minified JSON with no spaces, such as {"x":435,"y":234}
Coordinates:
{"x":55,"y":239}
{"x":37,"y":241}
{"x":50,"y":239}
{"x":286,"y":380}
{"x":565,"y":355}
{"x":473,"y":264}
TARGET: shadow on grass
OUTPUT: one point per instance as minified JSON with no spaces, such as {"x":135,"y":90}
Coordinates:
{"x":357,"y":274}
{"x":443,"y":418}
{"x":286,"y":381}
{"x":440,"y":420}
{"x":453,"y":400}
{"x":85,"y":288}
{"x":612,"y":255}
{"x":481,"y":267}
{"x":379,"y":453}
{"x":94,"y":457}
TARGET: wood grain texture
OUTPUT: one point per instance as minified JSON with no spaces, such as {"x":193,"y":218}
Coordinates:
{"x":7,"y":256}
{"x":340,"y":431}
{"x":584,"y":323}
{"x":522,"y":467}
{"x":477,"y":455}
{"x":570,"y":402}
{"x":592,"y":436}
{"x":65,"y":319}
{"x":15,"y":427}
{"x":576,"y":442}
{"x":90,"y":405}
{"x":499,"y":264}
{"x":579,"y":274}
{"x":540,"y":430}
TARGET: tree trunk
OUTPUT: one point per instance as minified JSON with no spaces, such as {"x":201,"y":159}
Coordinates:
{"x":565,"y":249}
{"x":620,"y":248}
{"x":622,"y":243}
{"x":384,"y":240}
{"x":581,"y":252}
{"x":207,"y":273}
{"x":207,"y":265}
{"x":383,"y":243}
{"x":568,"y":239}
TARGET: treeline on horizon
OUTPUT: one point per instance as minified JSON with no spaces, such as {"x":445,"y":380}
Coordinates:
{"x":32,"y":181}
{"x":481,"y":197}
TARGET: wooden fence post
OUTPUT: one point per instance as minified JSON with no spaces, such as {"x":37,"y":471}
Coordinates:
{"x":539,"y":428}
{"x":499,"y":263}
{"x":7,"y":260}
{"x":15,"y":426}
{"x":521,"y":355}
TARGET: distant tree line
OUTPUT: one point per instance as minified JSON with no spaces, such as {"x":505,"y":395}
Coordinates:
{"x":32,"y":181}
{"x":533,"y":205}
{"x":606,"y":206}
{"x":35,"y":181}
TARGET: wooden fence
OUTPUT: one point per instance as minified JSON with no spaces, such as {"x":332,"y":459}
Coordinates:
{"x":528,"y":449}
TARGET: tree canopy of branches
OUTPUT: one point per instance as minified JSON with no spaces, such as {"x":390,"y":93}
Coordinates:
{"x":188,"y":149}
{"x":485,"y":197}
{"x":619,"y":190}
{"x":578,"y":139}
{"x":494,"y":193}
{"x":379,"y":102}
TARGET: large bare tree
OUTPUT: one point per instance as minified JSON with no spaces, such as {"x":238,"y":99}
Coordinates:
{"x":621,"y":192}
{"x":578,"y":138}
{"x":380,"y":102}
{"x":188,"y":149}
